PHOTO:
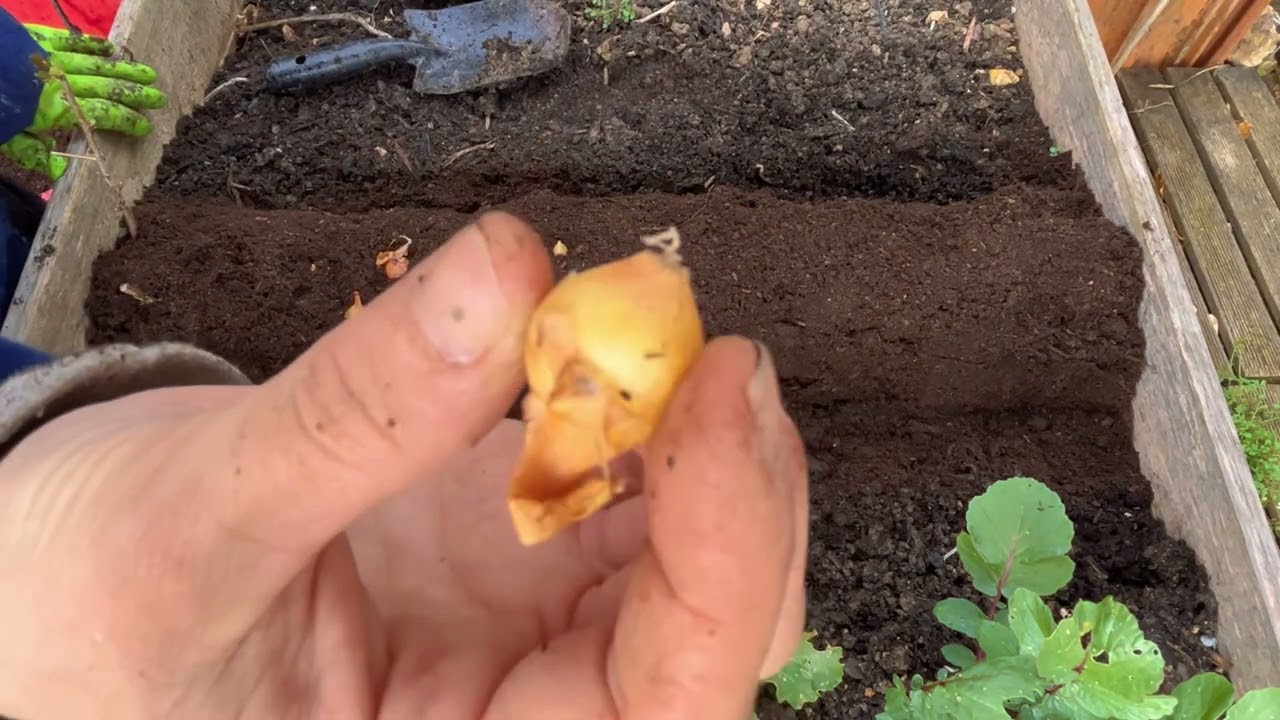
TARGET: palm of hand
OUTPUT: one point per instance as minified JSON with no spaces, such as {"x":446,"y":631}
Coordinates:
{"x":468,"y":612}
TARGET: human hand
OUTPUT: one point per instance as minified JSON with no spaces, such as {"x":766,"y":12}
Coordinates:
{"x":111,"y":93}
{"x":335,"y":543}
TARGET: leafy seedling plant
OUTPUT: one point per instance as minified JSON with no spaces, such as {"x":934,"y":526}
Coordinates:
{"x":808,"y":675}
{"x":1020,"y":661}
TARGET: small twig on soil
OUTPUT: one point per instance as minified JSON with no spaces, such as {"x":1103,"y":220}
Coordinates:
{"x":218,"y":90}
{"x":881,"y":16}
{"x":467,"y":151}
{"x":329,"y":17}
{"x":91,"y":139}
{"x":840,"y":117}
{"x":660,"y":11}
{"x":970,"y":33}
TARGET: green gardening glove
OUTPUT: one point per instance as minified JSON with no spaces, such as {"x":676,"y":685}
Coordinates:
{"x":111,"y":93}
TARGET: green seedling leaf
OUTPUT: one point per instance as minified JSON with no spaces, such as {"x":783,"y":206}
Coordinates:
{"x":1062,"y":653}
{"x":808,"y":674}
{"x":1257,"y":705}
{"x":1017,"y":530}
{"x":1030,"y":620}
{"x":986,"y":575}
{"x":1203,"y":697}
{"x":979,"y":693}
{"x":959,"y":655}
{"x":996,"y":640}
{"x":960,"y":615}
{"x":1122,"y":670}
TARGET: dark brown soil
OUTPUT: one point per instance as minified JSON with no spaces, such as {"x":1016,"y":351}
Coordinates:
{"x":926,"y":348}
{"x":926,"y":351}
{"x":683,"y":104}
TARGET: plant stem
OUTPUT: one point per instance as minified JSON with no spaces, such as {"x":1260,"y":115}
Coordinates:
{"x":86,"y":127}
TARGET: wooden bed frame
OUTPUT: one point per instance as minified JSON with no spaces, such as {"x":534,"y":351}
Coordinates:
{"x":1182,"y":430}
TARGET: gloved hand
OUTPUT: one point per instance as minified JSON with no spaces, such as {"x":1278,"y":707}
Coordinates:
{"x":110,"y":92}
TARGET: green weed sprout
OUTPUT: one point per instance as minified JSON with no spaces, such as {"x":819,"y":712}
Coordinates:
{"x":1254,"y":417}
{"x":1019,"y":661}
{"x":607,"y":12}
{"x":809,"y":674}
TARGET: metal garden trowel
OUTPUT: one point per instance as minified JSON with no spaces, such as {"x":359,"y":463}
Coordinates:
{"x":459,"y":48}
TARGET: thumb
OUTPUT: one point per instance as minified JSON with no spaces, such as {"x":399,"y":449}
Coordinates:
{"x":420,"y":374}
{"x":718,"y":595}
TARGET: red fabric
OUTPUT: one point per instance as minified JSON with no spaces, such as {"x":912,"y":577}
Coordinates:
{"x":93,"y":17}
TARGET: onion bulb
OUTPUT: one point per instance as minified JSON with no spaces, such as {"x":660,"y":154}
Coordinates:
{"x":603,"y":353}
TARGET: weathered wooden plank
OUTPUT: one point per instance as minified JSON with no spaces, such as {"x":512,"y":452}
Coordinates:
{"x":1235,"y":177}
{"x":1273,"y":400}
{"x":1251,"y":103}
{"x":1210,"y":326}
{"x":1220,"y":267}
{"x":1182,"y":430}
{"x":185,"y":41}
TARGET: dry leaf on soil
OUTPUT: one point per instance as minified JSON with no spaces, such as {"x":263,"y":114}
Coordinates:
{"x":137,"y":294}
{"x":1001,"y":76}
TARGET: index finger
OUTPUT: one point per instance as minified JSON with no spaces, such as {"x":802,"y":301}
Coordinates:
{"x":73,"y":63}
{"x":60,"y":40}
{"x":703,"y":610}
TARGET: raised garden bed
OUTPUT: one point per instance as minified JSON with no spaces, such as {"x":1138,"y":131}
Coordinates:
{"x":948,"y":304}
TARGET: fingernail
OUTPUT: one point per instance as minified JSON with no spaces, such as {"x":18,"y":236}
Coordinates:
{"x":462,"y":308}
{"x":762,"y":388}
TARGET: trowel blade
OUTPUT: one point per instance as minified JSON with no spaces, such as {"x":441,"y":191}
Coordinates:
{"x":485,"y":43}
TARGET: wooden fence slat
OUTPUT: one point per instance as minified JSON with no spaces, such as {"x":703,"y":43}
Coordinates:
{"x":1220,"y":268}
{"x":1172,"y":27}
{"x":1236,"y":180}
{"x":1229,"y":37}
{"x":1182,"y":430}
{"x":1117,"y":20}
{"x":82,"y":220}
{"x":1251,"y":103}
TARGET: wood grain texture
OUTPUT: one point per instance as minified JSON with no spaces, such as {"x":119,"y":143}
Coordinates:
{"x":1168,"y":32}
{"x":185,"y":42}
{"x":1206,"y":34}
{"x":1163,"y":33}
{"x":1251,"y":102}
{"x":1116,"y":20}
{"x":1182,"y":429}
{"x":1235,"y":177}
{"x":1228,"y":37}
{"x":1220,"y":268}
{"x":1210,"y":326}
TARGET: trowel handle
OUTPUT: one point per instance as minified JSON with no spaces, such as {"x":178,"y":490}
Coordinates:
{"x":339,"y":62}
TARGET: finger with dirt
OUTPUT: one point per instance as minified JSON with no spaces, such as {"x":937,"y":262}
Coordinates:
{"x":57,"y":40}
{"x":73,"y":63}
{"x":124,"y":92}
